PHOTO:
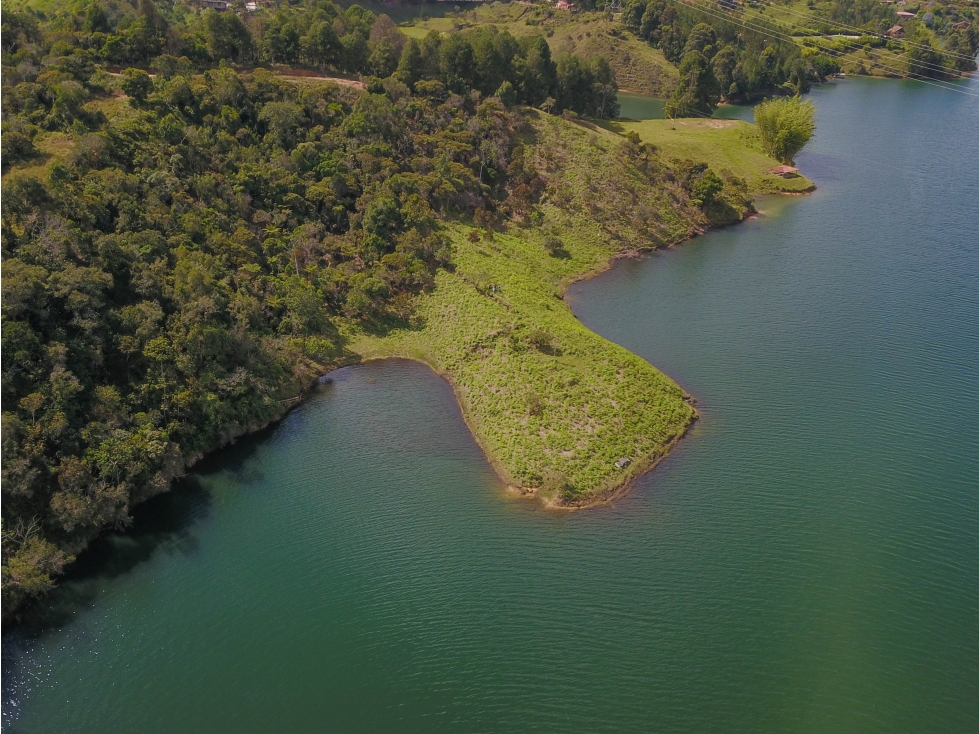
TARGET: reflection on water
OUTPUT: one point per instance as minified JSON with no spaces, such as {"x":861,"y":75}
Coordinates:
{"x":640,"y":107}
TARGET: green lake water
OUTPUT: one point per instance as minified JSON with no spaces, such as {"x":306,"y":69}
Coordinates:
{"x":640,"y":107}
{"x":806,"y":561}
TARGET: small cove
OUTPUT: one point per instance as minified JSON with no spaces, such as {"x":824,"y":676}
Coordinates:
{"x":808,"y":559}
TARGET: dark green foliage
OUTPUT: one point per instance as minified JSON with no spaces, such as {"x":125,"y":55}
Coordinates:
{"x":746,"y":63}
{"x":136,"y":84}
{"x":183,"y":266}
{"x":697,"y":93}
{"x":588,"y":88}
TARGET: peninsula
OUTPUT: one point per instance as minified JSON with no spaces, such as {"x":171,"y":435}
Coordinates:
{"x":553,"y":405}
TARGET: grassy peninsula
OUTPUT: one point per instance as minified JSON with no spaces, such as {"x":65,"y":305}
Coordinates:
{"x":725,"y":145}
{"x":553,"y":404}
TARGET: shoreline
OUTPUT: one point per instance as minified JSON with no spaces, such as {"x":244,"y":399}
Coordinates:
{"x":639,"y":467}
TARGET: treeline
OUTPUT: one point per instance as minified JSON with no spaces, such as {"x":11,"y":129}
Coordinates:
{"x":319,"y":34}
{"x":179,"y":265}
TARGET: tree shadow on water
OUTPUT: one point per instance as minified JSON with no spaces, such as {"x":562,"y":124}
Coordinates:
{"x":163,"y":523}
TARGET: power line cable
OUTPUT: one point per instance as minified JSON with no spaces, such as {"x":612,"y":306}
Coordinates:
{"x":785,"y":36}
{"x":865,"y":32}
{"x":922,"y":64}
{"x":709,"y":11}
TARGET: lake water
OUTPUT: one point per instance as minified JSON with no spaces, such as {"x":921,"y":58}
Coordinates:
{"x":640,"y":107}
{"x":807,"y":561}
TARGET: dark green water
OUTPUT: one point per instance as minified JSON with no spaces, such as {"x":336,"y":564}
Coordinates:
{"x":807,"y":561}
{"x":641,"y":107}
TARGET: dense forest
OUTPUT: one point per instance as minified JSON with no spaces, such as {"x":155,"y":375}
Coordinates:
{"x":182,"y":250}
{"x":721,"y":60}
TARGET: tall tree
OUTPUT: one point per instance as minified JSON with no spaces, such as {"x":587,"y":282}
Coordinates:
{"x":697,"y":93}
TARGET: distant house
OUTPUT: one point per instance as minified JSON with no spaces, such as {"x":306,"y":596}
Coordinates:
{"x":785,"y":171}
{"x":895,"y":31}
{"x":251,"y":7}
{"x":622,"y":463}
{"x":727,"y":4}
{"x":904,"y":15}
{"x":215,"y":4}
{"x":961,"y":25}
{"x":886,"y":2}
{"x":564,"y":5}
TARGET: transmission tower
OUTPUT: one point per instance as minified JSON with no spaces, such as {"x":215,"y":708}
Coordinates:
{"x":614,"y":6}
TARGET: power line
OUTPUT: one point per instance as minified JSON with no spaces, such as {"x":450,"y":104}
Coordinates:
{"x":863,"y":31}
{"x":923,"y":64}
{"x":783,"y":37}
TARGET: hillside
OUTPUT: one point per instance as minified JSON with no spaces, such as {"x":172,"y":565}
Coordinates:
{"x":190,"y":242}
{"x":638,"y":66}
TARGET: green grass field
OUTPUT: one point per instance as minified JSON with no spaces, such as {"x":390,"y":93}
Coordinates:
{"x":725,"y":145}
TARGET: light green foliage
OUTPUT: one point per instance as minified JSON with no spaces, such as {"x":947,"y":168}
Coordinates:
{"x":785,"y":125}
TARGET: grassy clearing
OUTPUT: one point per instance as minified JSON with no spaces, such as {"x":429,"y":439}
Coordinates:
{"x":553,"y":404}
{"x":725,"y":145}
{"x":638,"y":66}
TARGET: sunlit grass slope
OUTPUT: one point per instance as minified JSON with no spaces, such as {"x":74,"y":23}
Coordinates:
{"x":553,"y":404}
{"x":725,"y":145}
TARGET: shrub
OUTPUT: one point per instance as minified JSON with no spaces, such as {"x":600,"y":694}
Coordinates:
{"x":540,"y":339}
{"x":553,"y":245}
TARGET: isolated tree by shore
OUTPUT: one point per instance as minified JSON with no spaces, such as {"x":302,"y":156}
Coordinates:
{"x":786,"y":125}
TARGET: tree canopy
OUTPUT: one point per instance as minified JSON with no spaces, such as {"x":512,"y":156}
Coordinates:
{"x":183,"y":263}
